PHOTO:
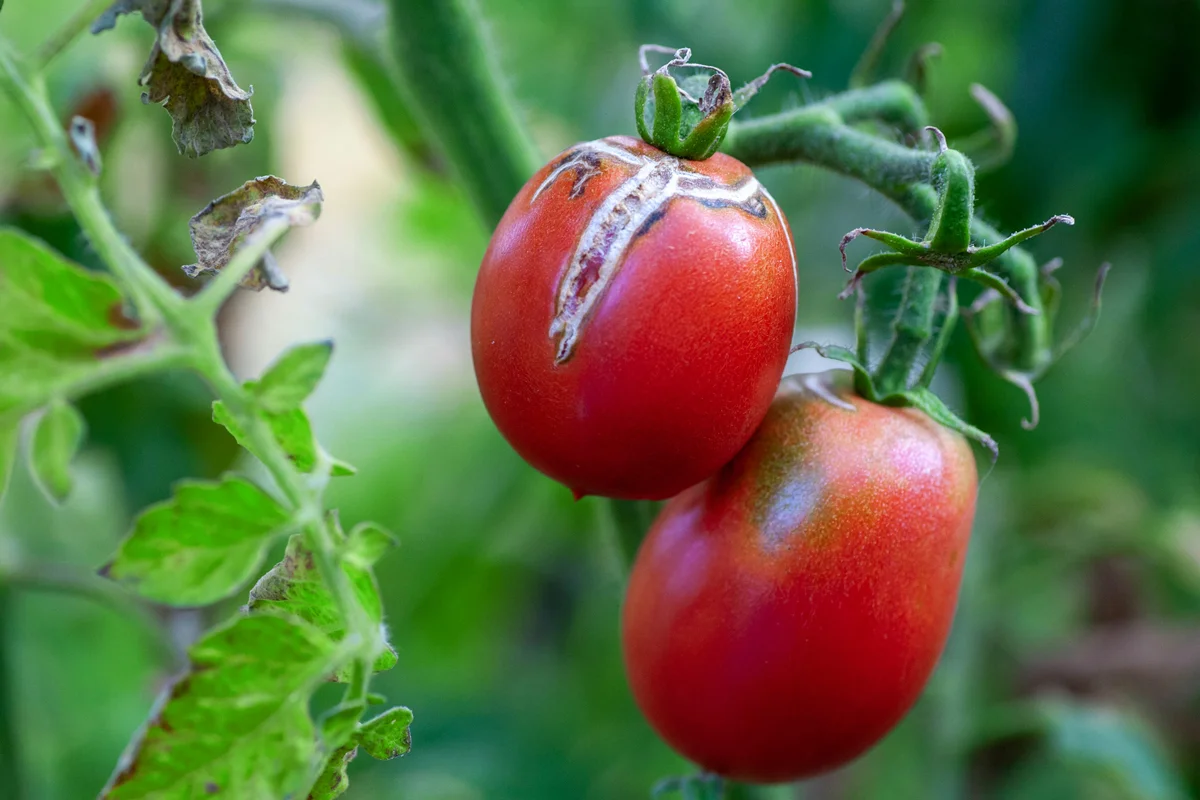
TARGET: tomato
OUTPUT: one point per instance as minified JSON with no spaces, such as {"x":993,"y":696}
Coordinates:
{"x":784,"y":615}
{"x":632,"y":317}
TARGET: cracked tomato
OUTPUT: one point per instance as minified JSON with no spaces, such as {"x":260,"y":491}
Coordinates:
{"x":632,"y":317}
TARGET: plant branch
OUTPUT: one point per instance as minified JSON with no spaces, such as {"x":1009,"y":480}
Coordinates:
{"x":192,"y":335}
{"x":78,"y":23}
{"x":152,"y":296}
{"x":446,"y":65}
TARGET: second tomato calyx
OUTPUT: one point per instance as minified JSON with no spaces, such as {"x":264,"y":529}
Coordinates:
{"x":688,"y":117}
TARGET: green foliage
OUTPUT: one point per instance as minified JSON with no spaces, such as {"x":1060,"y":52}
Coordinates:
{"x":294,"y":586}
{"x":59,"y":324}
{"x":292,"y":431}
{"x":56,"y":439}
{"x":334,"y":780}
{"x":200,"y":545}
{"x":237,"y":723}
{"x":292,"y":378}
{"x":388,"y":735}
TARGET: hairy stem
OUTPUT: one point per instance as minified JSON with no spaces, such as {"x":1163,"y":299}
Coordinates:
{"x":446,"y":65}
{"x":820,"y":134}
{"x":912,"y":328}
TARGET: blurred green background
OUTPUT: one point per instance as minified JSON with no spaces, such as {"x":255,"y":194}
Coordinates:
{"x":1074,"y":667}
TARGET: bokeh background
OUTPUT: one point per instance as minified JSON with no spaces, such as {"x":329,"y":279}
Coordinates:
{"x":1074,"y":667}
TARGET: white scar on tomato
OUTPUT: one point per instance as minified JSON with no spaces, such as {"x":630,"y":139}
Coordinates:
{"x":620,"y":219}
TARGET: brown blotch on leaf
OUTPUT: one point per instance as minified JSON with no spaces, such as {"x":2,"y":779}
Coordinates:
{"x":187,"y":75}
{"x":258,"y":208}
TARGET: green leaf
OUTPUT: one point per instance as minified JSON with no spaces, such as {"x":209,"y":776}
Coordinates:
{"x":293,"y":586}
{"x":236,"y":724}
{"x":334,"y":780}
{"x":389,"y":735}
{"x":291,"y":429}
{"x":10,"y":437}
{"x":58,"y":323}
{"x":185,"y":72}
{"x":368,"y":542}
{"x":292,"y":378}
{"x":200,"y":545}
{"x":1107,"y":743}
{"x":55,"y":442}
{"x":258,"y":208}
{"x":340,"y":722}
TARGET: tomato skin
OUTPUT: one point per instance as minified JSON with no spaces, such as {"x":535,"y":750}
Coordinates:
{"x":681,"y":353}
{"x":784,"y":615}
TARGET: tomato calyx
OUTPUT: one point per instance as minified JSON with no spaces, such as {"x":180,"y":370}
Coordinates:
{"x":876,"y":388}
{"x":688,"y":118}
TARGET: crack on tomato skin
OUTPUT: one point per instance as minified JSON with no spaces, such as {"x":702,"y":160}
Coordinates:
{"x":625,"y":215}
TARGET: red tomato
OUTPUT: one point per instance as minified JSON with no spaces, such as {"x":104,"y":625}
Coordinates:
{"x":632,"y":317}
{"x":784,"y":615}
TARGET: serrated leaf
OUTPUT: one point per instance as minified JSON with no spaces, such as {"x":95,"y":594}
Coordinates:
{"x":368,"y":542}
{"x":292,"y":378}
{"x":55,"y":442}
{"x":293,"y":586}
{"x":200,"y":545}
{"x":291,"y":429}
{"x":334,"y":779}
{"x":186,"y":73}
{"x":10,"y":439}
{"x":58,"y":322}
{"x":387,"y":736}
{"x":340,"y":722}
{"x":236,"y":724}
{"x":259,"y":208}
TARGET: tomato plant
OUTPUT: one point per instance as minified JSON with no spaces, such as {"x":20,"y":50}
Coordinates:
{"x":782,"y":616}
{"x":632,"y":317}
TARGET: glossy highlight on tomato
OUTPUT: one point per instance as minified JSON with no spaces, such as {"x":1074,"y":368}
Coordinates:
{"x":632,"y":317}
{"x":784,"y":615}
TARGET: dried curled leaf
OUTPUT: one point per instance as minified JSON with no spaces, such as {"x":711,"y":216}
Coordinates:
{"x":186,"y":73}
{"x":260,"y":208}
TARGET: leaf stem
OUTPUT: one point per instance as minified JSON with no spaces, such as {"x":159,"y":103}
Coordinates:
{"x":75,"y":25}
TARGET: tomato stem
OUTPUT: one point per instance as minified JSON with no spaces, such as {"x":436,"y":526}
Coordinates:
{"x":447,"y":68}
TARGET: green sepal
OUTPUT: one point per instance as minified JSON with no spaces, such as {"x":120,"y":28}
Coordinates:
{"x":671,"y":118}
{"x":920,"y":397}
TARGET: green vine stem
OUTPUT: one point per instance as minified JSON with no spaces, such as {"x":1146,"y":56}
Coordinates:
{"x":823,"y":134}
{"x":188,"y":337}
{"x":446,"y":65}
